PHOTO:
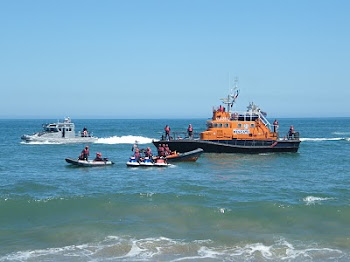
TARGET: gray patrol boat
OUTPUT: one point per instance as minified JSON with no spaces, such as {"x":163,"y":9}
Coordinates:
{"x":60,"y":132}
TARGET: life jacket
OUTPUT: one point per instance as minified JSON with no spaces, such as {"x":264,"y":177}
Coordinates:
{"x":85,"y":152}
{"x":167,"y":150}
{"x":137,"y":155}
{"x":148,"y":153}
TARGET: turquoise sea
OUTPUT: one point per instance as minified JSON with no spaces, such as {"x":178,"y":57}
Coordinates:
{"x":224,"y":207}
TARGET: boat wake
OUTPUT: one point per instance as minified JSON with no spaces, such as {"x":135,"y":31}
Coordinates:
{"x":324,"y":139}
{"x":165,"y":249}
{"x":124,"y":140}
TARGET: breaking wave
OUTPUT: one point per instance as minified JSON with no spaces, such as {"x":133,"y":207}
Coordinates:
{"x":312,"y":200}
{"x":114,"y":248}
{"x":124,"y":140}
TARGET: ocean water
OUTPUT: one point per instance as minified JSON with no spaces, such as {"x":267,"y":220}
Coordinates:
{"x":224,"y":207}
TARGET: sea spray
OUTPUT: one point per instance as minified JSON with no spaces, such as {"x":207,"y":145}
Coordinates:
{"x":125,"y":140}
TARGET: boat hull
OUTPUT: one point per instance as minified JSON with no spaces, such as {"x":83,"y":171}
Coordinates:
{"x":57,"y":140}
{"x":190,"y":156}
{"x":88,"y":163}
{"x":232,"y":146}
{"x":137,"y":164}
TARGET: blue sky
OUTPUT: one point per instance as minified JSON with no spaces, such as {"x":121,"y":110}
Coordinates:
{"x":172,"y":59}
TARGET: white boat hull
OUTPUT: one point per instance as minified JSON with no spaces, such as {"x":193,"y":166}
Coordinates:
{"x":57,"y":140}
{"x":77,"y":162}
{"x":146,"y":164}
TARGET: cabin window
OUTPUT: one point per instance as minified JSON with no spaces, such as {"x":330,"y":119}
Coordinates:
{"x":252,"y":125}
{"x":70,"y":129}
{"x":239,"y":125}
{"x":60,"y":129}
{"x":220,"y":125}
{"x":215,"y":125}
{"x":226,"y":125}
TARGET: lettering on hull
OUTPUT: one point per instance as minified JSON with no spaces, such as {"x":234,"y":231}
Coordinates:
{"x":241,"y":131}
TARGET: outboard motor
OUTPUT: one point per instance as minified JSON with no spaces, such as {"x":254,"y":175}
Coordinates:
{"x":296,"y":135}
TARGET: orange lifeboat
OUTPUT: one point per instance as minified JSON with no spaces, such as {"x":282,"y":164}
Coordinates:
{"x":236,"y":132}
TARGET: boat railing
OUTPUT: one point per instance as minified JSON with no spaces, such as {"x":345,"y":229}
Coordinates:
{"x":249,"y":116}
{"x":179,"y":135}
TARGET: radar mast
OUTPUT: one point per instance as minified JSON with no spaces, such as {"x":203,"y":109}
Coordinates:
{"x":232,"y":96}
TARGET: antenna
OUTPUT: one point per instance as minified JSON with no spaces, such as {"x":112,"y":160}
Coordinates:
{"x":232,"y":96}
{"x":236,"y":80}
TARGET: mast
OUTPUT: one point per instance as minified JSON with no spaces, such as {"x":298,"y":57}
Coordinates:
{"x":232,"y":96}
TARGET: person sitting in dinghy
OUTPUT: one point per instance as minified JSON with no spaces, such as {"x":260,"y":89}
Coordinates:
{"x":81,"y":156}
{"x":167,"y":150}
{"x":98,"y":157}
{"x":161,"y":151}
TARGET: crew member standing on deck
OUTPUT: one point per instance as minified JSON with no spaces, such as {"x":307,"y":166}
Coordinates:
{"x":190,"y":131}
{"x":275,"y":126}
{"x":291,"y":132}
{"x":85,"y":132}
{"x":167,"y":132}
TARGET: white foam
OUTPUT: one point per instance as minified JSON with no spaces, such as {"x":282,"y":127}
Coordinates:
{"x":135,"y":250}
{"x":124,"y":140}
{"x":265,"y":251}
{"x":114,"y":248}
{"x":146,"y":194}
{"x":312,"y":200}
